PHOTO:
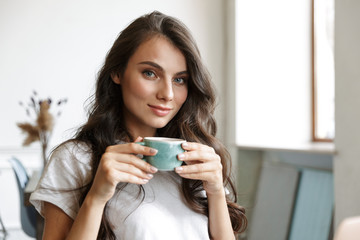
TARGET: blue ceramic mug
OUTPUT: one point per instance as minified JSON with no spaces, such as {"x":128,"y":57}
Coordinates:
{"x":168,"y":149}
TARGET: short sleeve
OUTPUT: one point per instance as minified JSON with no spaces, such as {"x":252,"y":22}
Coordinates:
{"x":64,"y":178}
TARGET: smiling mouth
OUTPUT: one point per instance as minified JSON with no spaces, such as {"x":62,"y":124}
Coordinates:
{"x":159,"y":110}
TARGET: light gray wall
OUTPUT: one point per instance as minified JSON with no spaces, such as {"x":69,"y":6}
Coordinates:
{"x":347,"y":109}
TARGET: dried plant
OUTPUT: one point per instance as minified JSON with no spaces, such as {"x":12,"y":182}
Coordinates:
{"x":39,"y":111}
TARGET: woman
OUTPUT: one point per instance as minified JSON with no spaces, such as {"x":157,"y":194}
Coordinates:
{"x":153,"y":83}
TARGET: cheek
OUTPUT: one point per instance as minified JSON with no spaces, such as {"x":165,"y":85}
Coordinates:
{"x":139,"y":91}
{"x":182,"y":96}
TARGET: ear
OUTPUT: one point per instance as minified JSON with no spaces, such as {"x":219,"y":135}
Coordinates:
{"x":116,"y":79}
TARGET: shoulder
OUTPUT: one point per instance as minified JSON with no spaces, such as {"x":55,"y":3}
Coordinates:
{"x":69,"y":166}
{"x":72,"y":151}
{"x":73,"y":158}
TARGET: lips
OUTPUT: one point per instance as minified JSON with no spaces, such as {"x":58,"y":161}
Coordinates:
{"x":160,"y":111}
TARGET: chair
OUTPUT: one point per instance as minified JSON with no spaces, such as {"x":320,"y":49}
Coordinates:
{"x":3,"y":229}
{"x":349,"y":229}
{"x":27,"y":213}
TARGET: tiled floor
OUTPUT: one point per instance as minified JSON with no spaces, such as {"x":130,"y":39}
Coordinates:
{"x":15,"y":234}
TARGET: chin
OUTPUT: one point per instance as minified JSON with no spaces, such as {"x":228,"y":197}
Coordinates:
{"x":160,"y":123}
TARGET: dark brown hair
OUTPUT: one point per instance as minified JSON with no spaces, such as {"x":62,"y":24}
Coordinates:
{"x":194,"y":122}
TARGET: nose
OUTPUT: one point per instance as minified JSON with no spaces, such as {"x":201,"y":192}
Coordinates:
{"x":165,"y":91}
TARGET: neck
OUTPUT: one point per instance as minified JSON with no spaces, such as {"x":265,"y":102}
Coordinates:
{"x":143,"y":133}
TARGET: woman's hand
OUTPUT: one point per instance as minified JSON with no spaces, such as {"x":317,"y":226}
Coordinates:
{"x":202,"y":164}
{"x":118,"y":164}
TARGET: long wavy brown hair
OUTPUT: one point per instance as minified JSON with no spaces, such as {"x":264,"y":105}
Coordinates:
{"x":194,"y":122}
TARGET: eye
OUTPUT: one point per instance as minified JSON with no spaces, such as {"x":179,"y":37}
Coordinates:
{"x":149,"y":74}
{"x":180,"y":80}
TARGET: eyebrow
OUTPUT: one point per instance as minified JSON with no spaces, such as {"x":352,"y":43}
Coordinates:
{"x":155,"y":65}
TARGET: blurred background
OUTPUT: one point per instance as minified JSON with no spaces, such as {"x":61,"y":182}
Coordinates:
{"x":287,"y":79}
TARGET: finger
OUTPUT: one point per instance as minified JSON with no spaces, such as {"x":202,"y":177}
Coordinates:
{"x":129,"y":178}
{"x":138,"y":139}
{"x":129,"y":159}
{"x":132,"y":169}
{"x":191,"y":146}
{"x":204,"y":176}
{"x":199,"y":168}
{"x":190,"y":162}
{"x":213,"y":178}
{"x":132,"y":148}
{"x":203,"y":156}
{"x":115,"y":172}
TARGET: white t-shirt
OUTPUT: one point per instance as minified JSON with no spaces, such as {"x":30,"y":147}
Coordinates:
{"x":156,"y":213}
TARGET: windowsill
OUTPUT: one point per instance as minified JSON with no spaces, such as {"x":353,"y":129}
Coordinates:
{"x":327,"y":148}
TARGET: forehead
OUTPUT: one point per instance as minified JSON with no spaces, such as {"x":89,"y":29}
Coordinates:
{"x":160,"y":50}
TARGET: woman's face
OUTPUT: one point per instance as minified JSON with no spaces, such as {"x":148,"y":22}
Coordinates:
{"x":154,"y":86}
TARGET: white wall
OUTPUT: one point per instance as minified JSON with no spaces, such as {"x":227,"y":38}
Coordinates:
{"x":57,"y":47}
{"x":347,"y":109}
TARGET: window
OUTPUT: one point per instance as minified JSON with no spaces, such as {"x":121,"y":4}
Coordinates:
{"x":323,"y":82}
{"x":284,"y":72}
{"x":273,"y":72}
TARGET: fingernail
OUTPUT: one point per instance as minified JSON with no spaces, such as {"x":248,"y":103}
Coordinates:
{"x":185,"y":144}
{"x":178,"y":169}
{"x":145,"y":180}
{"x":153,"y":169}
{"x":138,"y":139}
{"x":181,"y":156}
{"x":152,"y":150}
{"x":150,"y":175}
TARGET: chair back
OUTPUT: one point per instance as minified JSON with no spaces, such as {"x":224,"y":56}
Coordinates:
{"x":20,"y":172}
{"x":27,"y":213}
{"x":3,"y":229}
